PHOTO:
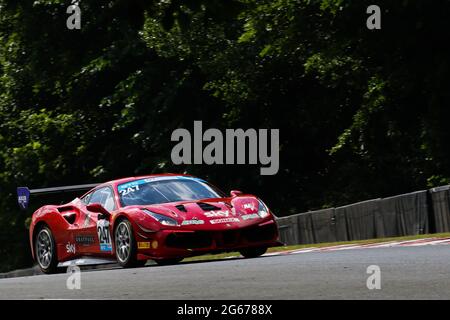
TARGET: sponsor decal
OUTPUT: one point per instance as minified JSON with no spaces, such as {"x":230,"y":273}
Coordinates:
{"x":70,"y":248}
{"x":104,"y":237}
{"x":225,"y":220}
{"x":192,"y":221}
{"x":133,"y":186}
{"x":128,"y":190}
{"x":85,"y":239}
{"x":218,"y":213}
{"x":250,"y":205}
{"x":250,"y":216}
{"x":144,"y":245}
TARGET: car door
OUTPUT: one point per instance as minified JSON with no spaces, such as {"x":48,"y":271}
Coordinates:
{"x":93,"y":237}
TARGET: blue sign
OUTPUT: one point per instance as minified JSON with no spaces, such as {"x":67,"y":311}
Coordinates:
{"x":23,"y":197}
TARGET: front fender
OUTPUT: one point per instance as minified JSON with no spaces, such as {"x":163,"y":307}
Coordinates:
{"x":140,"y":221}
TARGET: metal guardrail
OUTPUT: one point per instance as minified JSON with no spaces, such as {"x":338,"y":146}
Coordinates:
{"x":419,"y":212}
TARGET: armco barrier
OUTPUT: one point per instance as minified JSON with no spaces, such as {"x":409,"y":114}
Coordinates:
{"x":323,"y":225}
{"x":305,"y":228}
{"x":440,"y":198}
{"x":288,"y":229}
{"x":407,"y":214}
{"x":361,"y":219}
{"x":411,"y":212}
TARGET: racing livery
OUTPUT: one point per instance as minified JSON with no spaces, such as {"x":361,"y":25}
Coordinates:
{"x":162,"y":217}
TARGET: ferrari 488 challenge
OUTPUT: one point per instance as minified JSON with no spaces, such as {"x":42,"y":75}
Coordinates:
{"x":161,"y":217}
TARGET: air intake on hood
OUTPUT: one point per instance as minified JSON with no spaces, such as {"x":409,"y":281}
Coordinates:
{"x":207,"y":207}
{"x":181,"y":208}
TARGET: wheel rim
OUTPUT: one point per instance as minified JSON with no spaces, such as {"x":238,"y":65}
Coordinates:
{"x":123,"y":243}
{"x":44,"y":248}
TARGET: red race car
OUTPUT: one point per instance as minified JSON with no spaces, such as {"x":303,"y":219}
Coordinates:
{"x":162,"y":217}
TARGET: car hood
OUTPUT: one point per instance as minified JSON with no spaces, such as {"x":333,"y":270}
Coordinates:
{"x":210,"y":213}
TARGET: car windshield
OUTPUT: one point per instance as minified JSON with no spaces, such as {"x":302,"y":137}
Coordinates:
{"x":165,"y":189}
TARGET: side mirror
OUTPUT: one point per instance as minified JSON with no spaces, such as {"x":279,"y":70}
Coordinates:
{"x":97,"y":207}
{"x":235,"y":193}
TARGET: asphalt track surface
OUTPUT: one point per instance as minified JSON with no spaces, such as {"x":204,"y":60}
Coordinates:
{"x":406,"y":273}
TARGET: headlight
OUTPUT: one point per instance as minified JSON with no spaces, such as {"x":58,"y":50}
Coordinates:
{"x":164,"y":220}
{"x":263,"y":211}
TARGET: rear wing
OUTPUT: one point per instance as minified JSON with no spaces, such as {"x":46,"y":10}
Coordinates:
{"x":23,"y":193}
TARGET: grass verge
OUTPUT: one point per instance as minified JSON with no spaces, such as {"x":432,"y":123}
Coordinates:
{"x":321,"y":245}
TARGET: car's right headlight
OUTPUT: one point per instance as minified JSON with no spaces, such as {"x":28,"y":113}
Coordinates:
{"x":164,"y":220}
{"x":263,"y":211}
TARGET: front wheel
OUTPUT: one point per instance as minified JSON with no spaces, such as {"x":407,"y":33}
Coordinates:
{"x":45,"y":250}
{"x":253,"y":252}
{"x":126,"y":249}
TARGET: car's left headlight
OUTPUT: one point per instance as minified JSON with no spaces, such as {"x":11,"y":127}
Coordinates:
{"x":263,"y":211}
{"x":164,"y":220}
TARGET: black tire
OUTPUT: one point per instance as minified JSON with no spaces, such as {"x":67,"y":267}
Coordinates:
{"x":45,"y":250}
{"x":167,"y":262}
{"x":125,"y":245}
{"x":253,"y":252}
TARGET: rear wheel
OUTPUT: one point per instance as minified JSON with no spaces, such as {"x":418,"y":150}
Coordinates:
{"x":166,"y":262}
{"x":126,"y":250}
{"x":253,"y":252}
{"x":45,"y":250}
